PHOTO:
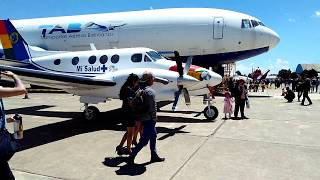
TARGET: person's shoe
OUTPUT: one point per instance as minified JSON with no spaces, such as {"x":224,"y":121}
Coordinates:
{"x":302,"y":104}
{"x":119,"y":150}
{"x":244,"y":117}
{"x":310,"y":104}
{"x":157,"y":159}
{"x":126,"y":151}
{"x":236,"y":118}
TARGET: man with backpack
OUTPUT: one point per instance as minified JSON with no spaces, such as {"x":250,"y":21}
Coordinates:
{"x":148,"y":118}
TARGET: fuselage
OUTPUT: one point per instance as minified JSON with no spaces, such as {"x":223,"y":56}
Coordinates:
{"x":210,"y":35}
{"x":116,"y":65}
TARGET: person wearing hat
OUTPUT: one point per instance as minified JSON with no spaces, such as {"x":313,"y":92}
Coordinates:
{"x":148,"y":119}
{"x":240,"y":94}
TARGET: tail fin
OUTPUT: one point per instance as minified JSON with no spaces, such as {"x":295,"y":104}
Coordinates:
{"x":14,"y":46}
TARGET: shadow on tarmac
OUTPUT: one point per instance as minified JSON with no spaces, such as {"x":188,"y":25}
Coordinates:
{"x":76,"y":125}
{"x":132,"y":170}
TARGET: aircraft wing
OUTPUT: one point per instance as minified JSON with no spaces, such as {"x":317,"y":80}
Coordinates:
{"x":58,"y":80}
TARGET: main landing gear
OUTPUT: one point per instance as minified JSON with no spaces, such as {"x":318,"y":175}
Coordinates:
{"x":90,"y":112}
{"x":210,"y":112}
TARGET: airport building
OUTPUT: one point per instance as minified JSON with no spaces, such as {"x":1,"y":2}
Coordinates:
{"x":301,"y":67}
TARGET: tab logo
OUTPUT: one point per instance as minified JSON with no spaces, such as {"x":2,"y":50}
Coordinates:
{"x":49,"y":29}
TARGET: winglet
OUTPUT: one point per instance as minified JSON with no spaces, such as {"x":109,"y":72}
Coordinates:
{"x":14,"y":46}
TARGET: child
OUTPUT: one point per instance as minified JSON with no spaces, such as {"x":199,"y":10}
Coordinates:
{"x":227,"y":104}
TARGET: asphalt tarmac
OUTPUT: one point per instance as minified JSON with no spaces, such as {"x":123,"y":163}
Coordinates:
{"x":279,"y":141}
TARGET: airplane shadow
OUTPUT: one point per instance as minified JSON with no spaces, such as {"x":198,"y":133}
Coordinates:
{"x":76,"y":125}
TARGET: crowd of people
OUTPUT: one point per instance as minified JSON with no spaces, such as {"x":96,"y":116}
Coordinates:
{"x":302,"y":86}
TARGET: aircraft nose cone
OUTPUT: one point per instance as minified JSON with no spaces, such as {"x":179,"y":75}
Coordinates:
{"x":274,"y":39}
{"x":215,"y":79}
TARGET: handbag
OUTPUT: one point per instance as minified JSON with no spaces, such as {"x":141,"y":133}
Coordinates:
{"x":8,"y":145}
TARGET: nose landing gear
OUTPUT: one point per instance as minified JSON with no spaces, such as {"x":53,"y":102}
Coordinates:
{"x":90,"y":112}
{"x":210,"y":112}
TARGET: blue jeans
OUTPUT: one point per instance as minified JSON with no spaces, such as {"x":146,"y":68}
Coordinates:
{"x":149,"y":134}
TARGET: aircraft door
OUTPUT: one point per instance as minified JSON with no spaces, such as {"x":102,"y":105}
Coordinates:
{"x":218,"y":25}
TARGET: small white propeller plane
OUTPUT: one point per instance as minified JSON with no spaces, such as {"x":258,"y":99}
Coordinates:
{"x":97,"y":75}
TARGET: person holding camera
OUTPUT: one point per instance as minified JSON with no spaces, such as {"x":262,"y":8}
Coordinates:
{"x":18,"y":89}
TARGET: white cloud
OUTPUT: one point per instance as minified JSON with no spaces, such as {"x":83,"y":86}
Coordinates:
{"x":282,"y":64}
{"x":292,"y":20}
{"x":316,"y":14}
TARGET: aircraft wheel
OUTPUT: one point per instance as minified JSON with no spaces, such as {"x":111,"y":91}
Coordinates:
{"x":211,"y":113}
{"x":91,"y":113}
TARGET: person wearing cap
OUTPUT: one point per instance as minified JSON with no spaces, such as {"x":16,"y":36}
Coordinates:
{"x":240,"y":95}
{"x":18,"y":89}
{"x":148,"y":119}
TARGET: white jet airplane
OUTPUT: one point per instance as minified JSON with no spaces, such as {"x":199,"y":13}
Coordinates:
{"x":99,"y":74}
{"x":211,"y":36}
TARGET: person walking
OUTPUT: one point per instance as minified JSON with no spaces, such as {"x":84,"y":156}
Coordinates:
{"x":148,"y":119}
{"x":306,"y":89}
{"x":18,"y":89}
{"x":240,"y":95}
{"x":127,"y":94}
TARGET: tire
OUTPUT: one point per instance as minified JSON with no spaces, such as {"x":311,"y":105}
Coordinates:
{"x":211,"y":115}
{"x":91,"y":114}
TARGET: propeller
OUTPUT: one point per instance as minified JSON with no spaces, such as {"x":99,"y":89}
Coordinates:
{"x":181,"y":72}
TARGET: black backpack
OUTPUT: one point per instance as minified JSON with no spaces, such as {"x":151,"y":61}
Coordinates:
{"x":138,"y":102}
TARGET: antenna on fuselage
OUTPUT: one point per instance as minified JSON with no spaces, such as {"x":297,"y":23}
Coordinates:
{"x":93,"y":47}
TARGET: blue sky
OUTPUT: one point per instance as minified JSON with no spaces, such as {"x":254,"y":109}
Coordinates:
{"x":297,"y":22}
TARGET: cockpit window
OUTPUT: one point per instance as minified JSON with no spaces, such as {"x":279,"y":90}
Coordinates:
{"x":246,"y":23}
{"x":261,"y":23}
{"x":254,"y":23}
{"x":147,"y":59}
{"x":154,"y":55}
{"x":136,"y":58}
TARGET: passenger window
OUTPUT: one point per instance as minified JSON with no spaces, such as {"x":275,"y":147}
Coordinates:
{"x":245,"y":23}
{"x":254,"y":23}
{"x":147,"y":59}
{"x":92,"y":59}
{"x":103,"y":59}
{"x":57,"y":61}
{"x":115,"y":58}
{"x":75,"y":60}
{"x":136,"y":58}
